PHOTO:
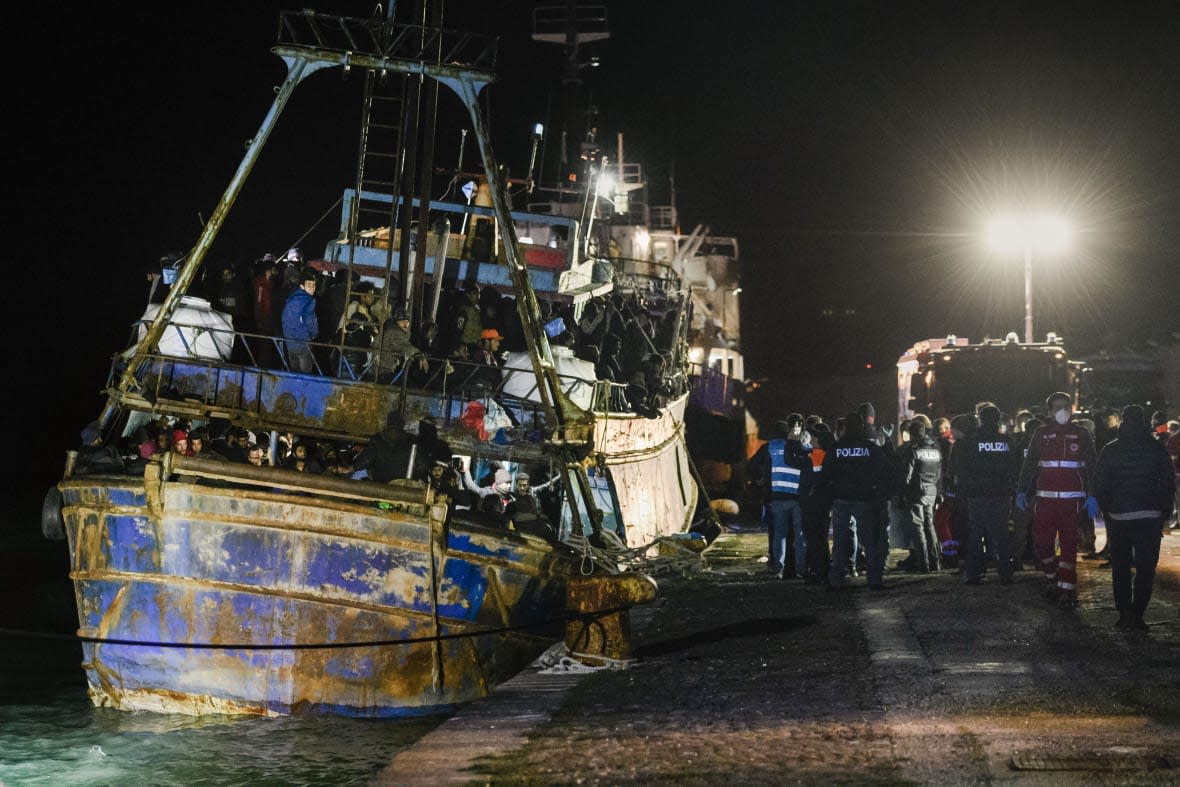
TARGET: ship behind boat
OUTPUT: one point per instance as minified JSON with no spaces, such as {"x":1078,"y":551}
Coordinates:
{"x":208,"y":586}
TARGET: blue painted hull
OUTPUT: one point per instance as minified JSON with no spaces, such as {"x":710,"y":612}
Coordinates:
{"x":196,"y":565}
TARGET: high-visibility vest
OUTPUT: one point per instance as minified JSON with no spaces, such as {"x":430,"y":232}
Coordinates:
{"x":1061,"y":463}
{"x":784,"y":479}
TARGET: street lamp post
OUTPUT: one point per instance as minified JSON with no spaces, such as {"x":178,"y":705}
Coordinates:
{"x":1028,"y":325}
{"x":1044,"y":233}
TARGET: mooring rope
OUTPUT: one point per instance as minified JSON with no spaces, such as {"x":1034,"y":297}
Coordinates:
{"x":615,"y":557}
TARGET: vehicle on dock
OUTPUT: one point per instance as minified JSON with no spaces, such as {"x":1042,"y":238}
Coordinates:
{"x":943,"y":377}
{"x":212,"y":586}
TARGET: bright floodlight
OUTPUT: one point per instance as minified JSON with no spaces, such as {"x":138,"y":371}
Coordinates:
{"x":1005,"y":235}
{"x":1050,"y":233}
{"x":1044,"y":233}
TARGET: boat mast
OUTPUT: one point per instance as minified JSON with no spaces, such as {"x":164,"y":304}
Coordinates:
{"x":298,"y":69}
{"x":309,"y":42}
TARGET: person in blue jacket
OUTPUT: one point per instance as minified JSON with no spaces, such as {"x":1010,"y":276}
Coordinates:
{"x":300,"y":324}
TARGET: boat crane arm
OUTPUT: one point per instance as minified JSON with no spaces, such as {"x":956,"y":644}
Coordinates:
{"x":298,"y":68}
{"x":572,"y":438}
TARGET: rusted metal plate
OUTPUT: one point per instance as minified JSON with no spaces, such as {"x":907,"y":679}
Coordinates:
{"x":274,"y":568}
{"x":1114,"y":758}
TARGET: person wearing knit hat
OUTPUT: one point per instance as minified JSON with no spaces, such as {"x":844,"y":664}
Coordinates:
{"x":986,"y":467}
{"x":179,"y":442}
{"x":495,"y":500}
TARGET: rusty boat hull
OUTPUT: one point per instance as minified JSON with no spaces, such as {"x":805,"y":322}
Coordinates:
{"x":195,"y":598}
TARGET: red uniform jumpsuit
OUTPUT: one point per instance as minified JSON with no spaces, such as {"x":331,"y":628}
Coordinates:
{"x":1056,"y":480}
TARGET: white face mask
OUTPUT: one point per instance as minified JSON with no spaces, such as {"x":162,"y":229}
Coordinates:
{"x":1061,"y":416}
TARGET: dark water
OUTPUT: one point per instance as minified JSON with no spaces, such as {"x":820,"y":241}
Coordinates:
{"x":51,"y":734}
{"x":64,"y":740}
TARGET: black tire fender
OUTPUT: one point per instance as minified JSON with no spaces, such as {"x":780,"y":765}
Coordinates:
{"x":53,"y":526}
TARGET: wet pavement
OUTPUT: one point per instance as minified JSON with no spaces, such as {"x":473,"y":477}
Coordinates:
{"x":743,"y":679}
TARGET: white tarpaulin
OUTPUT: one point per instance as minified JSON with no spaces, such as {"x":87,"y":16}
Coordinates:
{"x":577,"y":376}
{"x":196,"y":330}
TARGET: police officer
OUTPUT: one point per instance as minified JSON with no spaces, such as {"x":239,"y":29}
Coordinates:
{"x":856,"y":471}
{"x":889,"y":508}
{"x":986,"y":474}
{"x":1055,"y":481}
{"x":921,"y":474}
{"x":783,"y":468}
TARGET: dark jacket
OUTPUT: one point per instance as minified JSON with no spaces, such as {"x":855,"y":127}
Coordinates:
{"x":921,"y":469}
{"x":986,"y":464}
{"x":857,"y":469}
{"x":1133,"y":478}
{"x":387,"y":456}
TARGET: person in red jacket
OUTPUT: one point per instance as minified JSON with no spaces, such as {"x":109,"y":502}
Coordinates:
{"x":265,"y":317}
{"x":1056,"y":481}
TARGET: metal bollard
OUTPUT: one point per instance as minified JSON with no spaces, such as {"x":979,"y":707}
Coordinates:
{"x":600,"y":627}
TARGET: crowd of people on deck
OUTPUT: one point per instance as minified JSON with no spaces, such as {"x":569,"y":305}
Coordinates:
{"x":497,"y":493}
{"x":980,"y":493}
{"x":341,"y":324}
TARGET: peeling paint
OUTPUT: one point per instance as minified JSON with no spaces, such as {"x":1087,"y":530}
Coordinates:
{"x":228,"y":566}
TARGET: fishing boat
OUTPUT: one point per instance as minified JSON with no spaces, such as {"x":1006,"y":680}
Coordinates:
{"x":212,"y":586}
{"x":703,"y":430}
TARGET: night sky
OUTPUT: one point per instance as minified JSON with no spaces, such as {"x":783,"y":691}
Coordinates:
{"x":855,"y":149}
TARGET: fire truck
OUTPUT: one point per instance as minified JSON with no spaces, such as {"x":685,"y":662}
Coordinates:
{"x":946,"y":376}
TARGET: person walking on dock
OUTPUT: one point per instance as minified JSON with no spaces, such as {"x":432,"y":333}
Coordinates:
{"x":1056,"y":481}
{"x":1135,"y":488}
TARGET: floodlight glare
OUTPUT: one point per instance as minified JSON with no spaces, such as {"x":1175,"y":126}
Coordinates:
{"x":606,"y":184}
{"x":1043,"y":233}
{"x":1050,"y":233}
{"x":1005,"y":235}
